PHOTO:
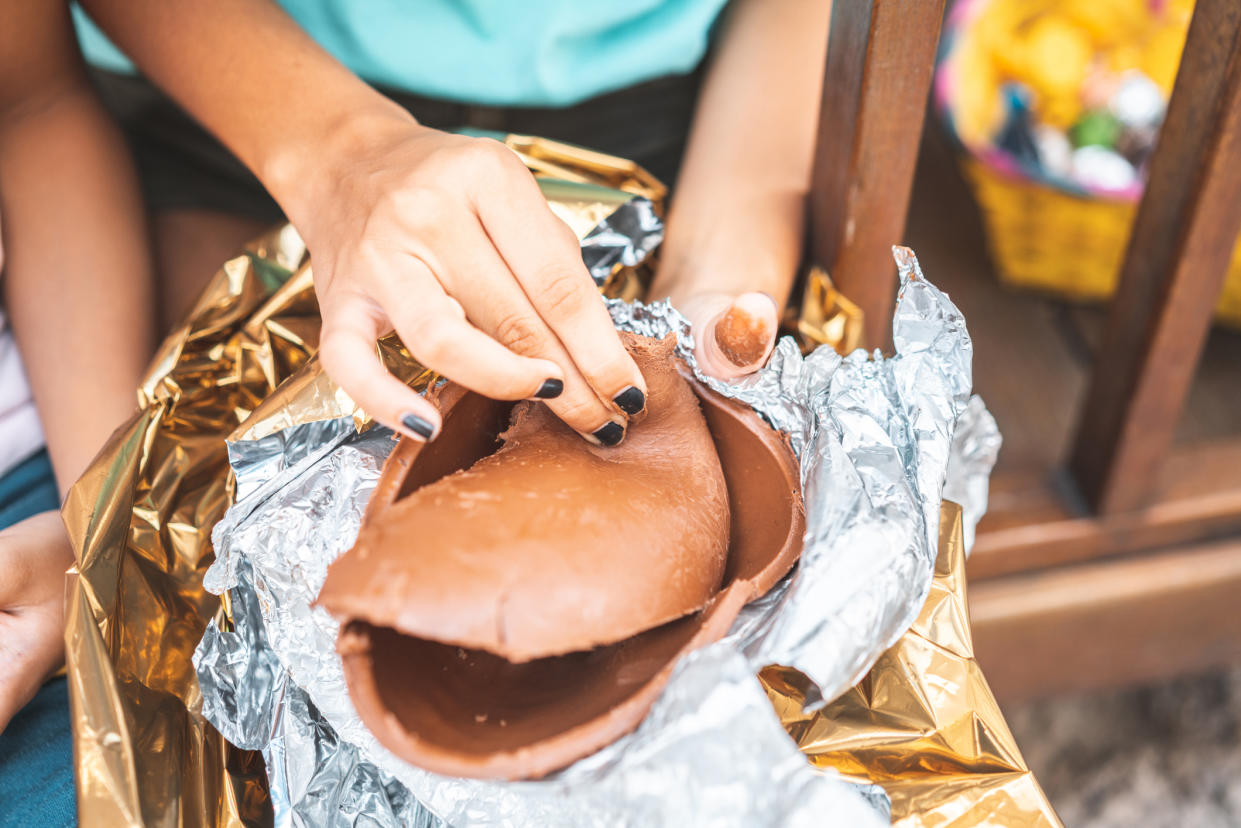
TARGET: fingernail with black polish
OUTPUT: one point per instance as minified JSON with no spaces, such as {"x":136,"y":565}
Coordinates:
{"x":631,"y":400}
{"x":611,"y":434}
{"x":423,"y":428}
{"x":550,"y":389}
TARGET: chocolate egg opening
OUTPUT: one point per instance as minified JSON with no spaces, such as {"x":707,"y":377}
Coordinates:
{"x":471,"y":713}
{"x":518,"y":707}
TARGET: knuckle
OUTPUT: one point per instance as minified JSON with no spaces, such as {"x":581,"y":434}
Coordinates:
{"x":434,"y":343}
{"x":334,"y":355}
{"x":520,"y":333}
{"x":561,"y":292}
{"x":564,"y":238}
{"x":332,"y":345}
{"x":329,"y":350}
{"x":485,"y":154}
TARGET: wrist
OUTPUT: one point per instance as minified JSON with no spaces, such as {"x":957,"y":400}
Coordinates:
{"x":724,"y":269}
{"x":751,"y":243}
{"x":303,"y":173}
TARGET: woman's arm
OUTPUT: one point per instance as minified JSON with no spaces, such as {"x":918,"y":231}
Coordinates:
{"x":78,"y":294}
{"x":444,"y":238}
{"x":77,"y":279}
{"x":738,"y":216}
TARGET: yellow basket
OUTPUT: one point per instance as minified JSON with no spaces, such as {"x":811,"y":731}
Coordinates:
{"x":1048,"y":238}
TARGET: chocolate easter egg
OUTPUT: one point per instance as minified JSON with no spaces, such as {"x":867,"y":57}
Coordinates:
{"x":471,"y":713}
{"x":549,"y":545}
{"x":521,"y":699}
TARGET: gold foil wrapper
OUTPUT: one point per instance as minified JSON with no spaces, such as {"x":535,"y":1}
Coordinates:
{"x":568,"y":162}
{"x":243,"y":365}
{"x":140,"y":519}
{"x":824,"y":316}
{"x":923,"y":723}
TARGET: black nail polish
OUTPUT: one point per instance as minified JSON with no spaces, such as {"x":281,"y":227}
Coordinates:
{"x":550,"y":389}
{"x":611,"y":434}
{"x":631,"y":400}
{"x":419,"y":426}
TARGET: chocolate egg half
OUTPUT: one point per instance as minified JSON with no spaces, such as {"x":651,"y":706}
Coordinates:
{"x":517,"y":598}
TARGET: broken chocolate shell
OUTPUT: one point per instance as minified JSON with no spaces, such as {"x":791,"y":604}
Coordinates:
{"x":548,"y":545}
{"x":468,"y":712}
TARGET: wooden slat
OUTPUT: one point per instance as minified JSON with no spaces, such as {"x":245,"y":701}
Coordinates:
{"x":1214,"y":399}
{"x":879,"y":64}
{"x":1032,"y":355}
{"x":1107,"y":624}
{"x":1032,"y":522}
{"x":1178,"y":255}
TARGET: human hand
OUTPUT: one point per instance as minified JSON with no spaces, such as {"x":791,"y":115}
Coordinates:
{"x":733,"y":333}
{"x":448,"y":240}
{"x":34,"y":555}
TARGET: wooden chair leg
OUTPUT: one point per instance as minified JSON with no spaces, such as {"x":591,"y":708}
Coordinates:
{"x":1178,"y":256}
{"x":880,"y":59}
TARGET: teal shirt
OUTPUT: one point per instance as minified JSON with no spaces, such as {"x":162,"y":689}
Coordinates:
{"x":496,"y":52}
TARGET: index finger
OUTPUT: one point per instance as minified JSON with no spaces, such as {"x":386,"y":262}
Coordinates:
{"x":347,"y":352}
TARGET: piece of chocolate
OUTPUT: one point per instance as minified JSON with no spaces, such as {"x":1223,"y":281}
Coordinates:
{"x":470,"y":713}
{"x":466,"y":710}
{"x":549,"y":545}
{"x":742,"y":337}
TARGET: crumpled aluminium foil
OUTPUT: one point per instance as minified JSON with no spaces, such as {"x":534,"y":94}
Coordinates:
{"x":623,"y":239}
{"x":975,"y":448}
{"x":874,"y":438}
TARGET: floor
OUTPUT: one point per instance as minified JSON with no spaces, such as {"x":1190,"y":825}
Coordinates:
{"x":1162,"y":756}
{"x":1167,"y":754}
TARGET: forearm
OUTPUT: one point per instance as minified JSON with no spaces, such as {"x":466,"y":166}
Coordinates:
{"x":739,"y":211}
{"x":251,"y":76}
{"x":77,"y":285}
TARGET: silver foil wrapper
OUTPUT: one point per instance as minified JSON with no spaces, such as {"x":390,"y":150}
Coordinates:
{"x":876,"y":439}
{"x":975,"y":447}
{"x":623,"y":239}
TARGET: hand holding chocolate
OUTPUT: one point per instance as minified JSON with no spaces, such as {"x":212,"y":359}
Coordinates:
{"x":517,"y":597}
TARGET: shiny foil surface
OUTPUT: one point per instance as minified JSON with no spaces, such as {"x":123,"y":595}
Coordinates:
{"x":140,"y":520}
{"x":923,"y":723}
{"x":824,"y":316}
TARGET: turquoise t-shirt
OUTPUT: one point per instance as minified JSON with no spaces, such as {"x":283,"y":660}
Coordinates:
{"x":496,"y":52}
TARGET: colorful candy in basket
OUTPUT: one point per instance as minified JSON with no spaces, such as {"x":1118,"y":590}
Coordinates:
{"x":1069,"y":91}
{"x":1056,"y":106}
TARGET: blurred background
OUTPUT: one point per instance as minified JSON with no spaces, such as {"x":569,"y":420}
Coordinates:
{"x":1111,"y":637}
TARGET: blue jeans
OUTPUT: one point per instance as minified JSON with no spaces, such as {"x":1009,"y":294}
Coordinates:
{"x":36,"y":749}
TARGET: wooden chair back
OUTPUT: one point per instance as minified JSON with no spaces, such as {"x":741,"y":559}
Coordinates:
{"x":880,"y":60}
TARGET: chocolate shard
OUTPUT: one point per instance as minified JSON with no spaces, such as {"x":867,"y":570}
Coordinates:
{"x":470,"y":713}
{"x":549,"y":545}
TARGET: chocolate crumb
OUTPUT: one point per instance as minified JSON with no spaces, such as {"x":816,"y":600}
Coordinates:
{"x":741,"y":337}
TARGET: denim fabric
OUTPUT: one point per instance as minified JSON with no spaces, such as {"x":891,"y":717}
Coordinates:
{"x":36,"y":749}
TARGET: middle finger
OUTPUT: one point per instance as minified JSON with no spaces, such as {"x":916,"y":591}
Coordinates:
{"x":495,"y":303}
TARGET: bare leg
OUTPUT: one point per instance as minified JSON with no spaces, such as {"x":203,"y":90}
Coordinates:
{"x":190,"y":246}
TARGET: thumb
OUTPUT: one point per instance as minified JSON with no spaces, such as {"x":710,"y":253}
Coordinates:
{"x":734,"y":335}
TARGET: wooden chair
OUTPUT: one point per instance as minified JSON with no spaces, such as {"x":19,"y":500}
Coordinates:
{"x":1125,"y":565}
